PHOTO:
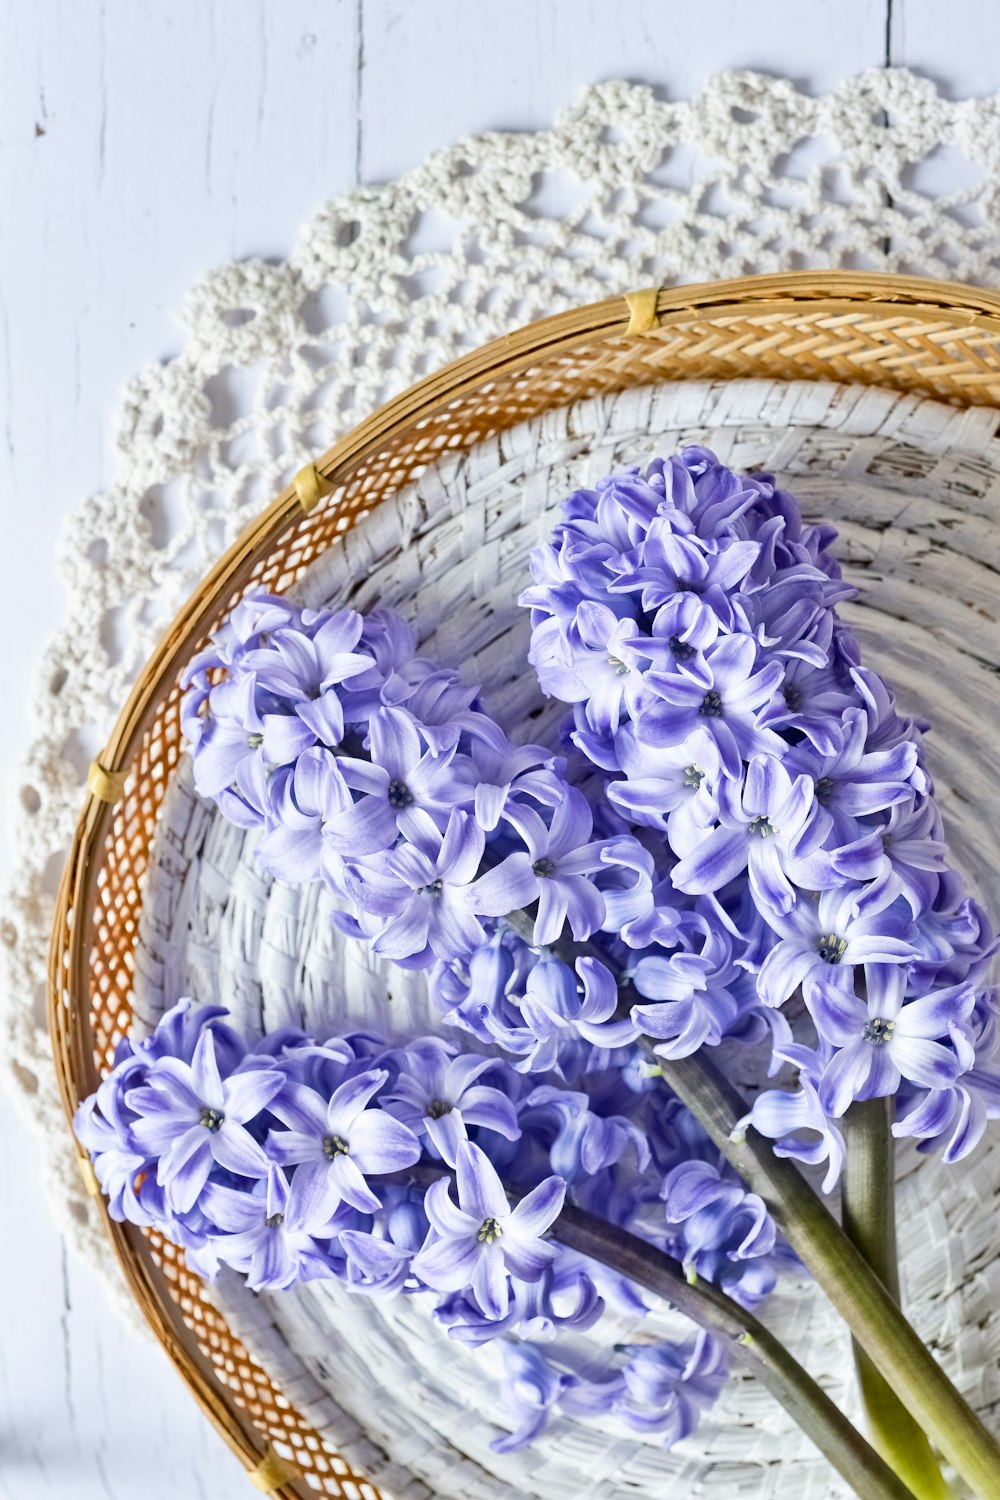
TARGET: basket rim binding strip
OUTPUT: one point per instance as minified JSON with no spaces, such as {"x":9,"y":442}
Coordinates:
{"x":905,"y":333}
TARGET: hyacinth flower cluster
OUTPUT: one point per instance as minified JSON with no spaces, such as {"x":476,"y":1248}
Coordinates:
{"x":384,"y":1167}
{"x":689,"y":616}
{"x":735,"y":842}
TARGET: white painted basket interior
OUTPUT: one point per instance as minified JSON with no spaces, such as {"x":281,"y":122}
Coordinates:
{"x":914,"y":487}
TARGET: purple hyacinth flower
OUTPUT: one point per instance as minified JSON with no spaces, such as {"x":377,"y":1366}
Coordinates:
{"x":375,"y":1266}
{"x":229,"y":743}
{"x":722,"y":1228}
{"x":178,"y":1030}
{"x":306,"y":799}
{"x":334,"y":1143}
{"x":401,"y":785}
{"x":763,"y":827}
{"x":587,"y":1141}
{"x":682,"y":631}
{"x":560,"y":1004}
{"x":530,"y":1394}
{"x":306,"y":671}
{"x":262,"y":1234}
{"x":906,"y":856}
{"x":956,"y":1117}
{"x":190,"y":1117}
{"x":553,"y":872}
{"x":476,"y":1243}
{"x":500,"y":770}
{"x":667,"y":1386}
{"x":672,"y":564}
{"x":881,"y":1039}
{"x":729,"y":709}
{"x":825,"y":939}
{"x":811,"y":701}
{"x":795,"y":1119}
{"x":694,"y":1004}
{"x":599,"y":659}
{"x":670,"y":788}
{"x":102,"y":1125}
{"x":417,"y":905}
{"x":854,"y":782}
{"x":563,"y":1297}
{"x":438,"y":1094}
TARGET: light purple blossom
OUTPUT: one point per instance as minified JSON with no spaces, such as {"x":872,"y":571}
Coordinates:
{"x":854,"y":782}
{"x":306,"y":671}
{"x":530,"y":1392}
{"x":263,"y":1235}
{"x":336,"y":1144}
{"x":881,"y":1038}
{"x":439,"y":1093}
{"x":553,"y":871}
{"x":306,"y":799}
{"x":795,"y":1120}
{"x":189,"y":1117}
{"x":763,"y":828}
{"x":694,"y":1004}
{"x":402,"y":785}
{"x":670,"y":788}
{"x":479,"y":1241}
{"x":418,"y":903}
{"x":667,"y":1386}
{"x":729,"y":708}
{"x":904,"y":857}
{"x":500,"y":770}
{"x":825,"y":939}
{"x":673,"y":564}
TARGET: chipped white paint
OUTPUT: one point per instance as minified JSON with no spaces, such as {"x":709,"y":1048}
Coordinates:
{"x":140,"y":144}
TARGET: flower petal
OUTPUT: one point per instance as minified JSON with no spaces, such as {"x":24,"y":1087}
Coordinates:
{"x":509,"y":886}
{"x":235,"y":1149}
{"x":248,"y":1093}
{"x":489,"y":1283}
{"x":537,"y":1210}
{"x":718,"y":859}
{"x":447,"y":1265}
{"x":480,"y":1191}
{"x":381,"y":1144}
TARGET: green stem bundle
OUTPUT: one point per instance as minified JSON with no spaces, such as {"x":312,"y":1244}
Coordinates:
{"x":748,"y":1342}
{"x":844,"y":1274}
{"x":868,"y":1203}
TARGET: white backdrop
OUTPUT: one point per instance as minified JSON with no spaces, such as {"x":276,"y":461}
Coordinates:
{"x":140,"y":144}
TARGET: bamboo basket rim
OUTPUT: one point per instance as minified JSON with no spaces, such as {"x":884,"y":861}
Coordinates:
{"x":840,"y":298}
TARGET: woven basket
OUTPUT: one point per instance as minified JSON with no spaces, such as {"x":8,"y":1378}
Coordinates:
{"x":127,"y":891}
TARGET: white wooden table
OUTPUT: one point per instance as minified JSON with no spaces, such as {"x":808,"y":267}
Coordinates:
{"x":141,"y":143}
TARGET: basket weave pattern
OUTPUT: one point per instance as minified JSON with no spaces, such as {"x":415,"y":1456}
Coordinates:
{"x":907,"y":336}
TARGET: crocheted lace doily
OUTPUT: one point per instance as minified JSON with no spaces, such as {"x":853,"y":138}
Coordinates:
{"x":389,"y":282}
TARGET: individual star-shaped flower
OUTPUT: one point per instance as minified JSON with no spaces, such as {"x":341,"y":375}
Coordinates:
{"x":191,"y":1117}
{"x":478,"y":1241}
{"x":763,"y":827}
{"x":729,"y":708}
{"x":262,"y":1235}
{"x":882,"y":1038}
{"x":554,"y":871}
{"x":826,"y":939}
{"x":438,"y":1094}
{"x":334,"y":1144}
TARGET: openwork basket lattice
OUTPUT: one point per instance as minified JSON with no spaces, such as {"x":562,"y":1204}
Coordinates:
{"x":924,"y":338}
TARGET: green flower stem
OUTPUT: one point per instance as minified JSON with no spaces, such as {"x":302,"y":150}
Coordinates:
{"x":868,"y":1204}
{"x":842,"y":1271}
{"x":748,"y":1342}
